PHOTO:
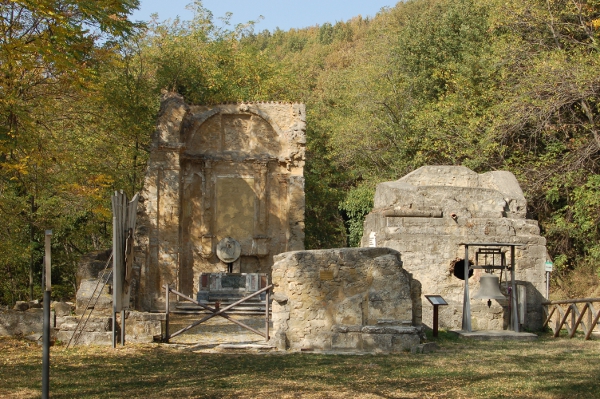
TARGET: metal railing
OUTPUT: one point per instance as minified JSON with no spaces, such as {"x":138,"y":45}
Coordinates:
{"x":571,"y":317}
{"x":216,"y":311}
{"x":91,"y":304}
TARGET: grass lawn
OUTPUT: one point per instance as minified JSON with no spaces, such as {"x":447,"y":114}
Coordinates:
{"x":548,"y":368}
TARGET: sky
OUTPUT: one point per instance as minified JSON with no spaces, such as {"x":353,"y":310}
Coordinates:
{"x":282,"y":14}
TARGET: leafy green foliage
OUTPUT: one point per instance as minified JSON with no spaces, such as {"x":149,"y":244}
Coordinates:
{"x":488,"y":84}
{"x":49,"y":64}
{"x":357,"y":204}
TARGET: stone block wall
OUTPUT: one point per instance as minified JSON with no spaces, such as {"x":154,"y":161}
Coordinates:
{"x":228,"y":170}
{"x":429,"y":213}
{"x":344,"y":299}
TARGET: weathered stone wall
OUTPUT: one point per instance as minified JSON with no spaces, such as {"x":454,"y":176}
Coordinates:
{"x":429,"y":213}
{"x":16,"y":322}
{"x":230,"y":170}
{"x":348,"y":299}
{"x":27,"y":319}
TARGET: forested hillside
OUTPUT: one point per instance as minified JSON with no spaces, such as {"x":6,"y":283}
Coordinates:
{"x":488,"y":84}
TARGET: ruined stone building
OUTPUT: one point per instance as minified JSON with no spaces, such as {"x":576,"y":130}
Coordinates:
{"x":216,"y":172}
{"x":427,"y":215}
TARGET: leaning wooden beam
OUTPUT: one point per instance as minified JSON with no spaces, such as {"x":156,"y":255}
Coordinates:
{"x":593,"y":323}
{"x":549,"y":316}
{"x":578,"y":321}
{"x":563,"y":321}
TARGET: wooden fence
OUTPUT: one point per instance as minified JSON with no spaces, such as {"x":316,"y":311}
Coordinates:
{"x":567,"y":314}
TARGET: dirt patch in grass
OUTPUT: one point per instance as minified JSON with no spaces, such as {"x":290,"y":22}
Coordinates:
{"x":548,"y":368}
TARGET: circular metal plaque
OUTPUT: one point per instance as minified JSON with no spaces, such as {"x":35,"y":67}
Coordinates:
{"x":228,"y":250}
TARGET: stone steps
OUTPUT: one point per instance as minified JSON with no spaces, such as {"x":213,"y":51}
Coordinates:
{"x":139,"y":327}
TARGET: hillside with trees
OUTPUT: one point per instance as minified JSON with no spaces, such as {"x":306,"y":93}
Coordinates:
{"x":487,"y":84}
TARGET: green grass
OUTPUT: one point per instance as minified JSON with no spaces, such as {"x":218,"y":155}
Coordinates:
{"x":548,"y":368}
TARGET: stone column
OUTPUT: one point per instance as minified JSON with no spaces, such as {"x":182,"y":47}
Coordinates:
{"x":161,"y":199}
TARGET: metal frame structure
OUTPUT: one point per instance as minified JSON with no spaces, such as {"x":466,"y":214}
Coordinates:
{"x":216,"y":312}
{"x":466,"y":319}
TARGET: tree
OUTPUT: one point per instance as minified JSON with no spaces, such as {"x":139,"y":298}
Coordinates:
{"x":48,"y":59}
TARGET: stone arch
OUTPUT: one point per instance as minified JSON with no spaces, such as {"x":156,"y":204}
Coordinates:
{"x":242,"y":130}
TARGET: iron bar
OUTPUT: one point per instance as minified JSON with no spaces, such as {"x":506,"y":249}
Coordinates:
{"x":220,"y":312}
{"x":267,"y":316}
{"x":167,"y":289}
{"x":115,"y":275}
{"x":515,"y":308}
{"x":46,"y":350}
{"x":466,"y":320}
{"x":122,"y":327}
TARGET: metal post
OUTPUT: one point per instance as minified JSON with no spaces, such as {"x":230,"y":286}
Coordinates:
{"x":267,"y":316}
{"x":515,"y":309}
{"x":435,"y":320}
{"x":167,"y":313}
{"x":548,"y":285}
{"x":46,"y":326}
{"x":123,"y":327}
{"x":466,"y":321}
{"x":115,"y":285}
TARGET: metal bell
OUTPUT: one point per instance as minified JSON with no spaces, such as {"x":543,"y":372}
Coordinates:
{"x":489,"y":288}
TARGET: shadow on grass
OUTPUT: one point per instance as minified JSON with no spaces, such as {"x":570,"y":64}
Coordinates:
{"x":474,"y":369}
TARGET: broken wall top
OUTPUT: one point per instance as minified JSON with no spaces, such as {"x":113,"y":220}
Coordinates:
{"x":260,"y":131}
{"x":453,"y":189}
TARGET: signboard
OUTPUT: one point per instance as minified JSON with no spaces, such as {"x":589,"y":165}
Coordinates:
{"x":373,"y":239}
{"x":436,"y":300}
{"x":549,"y":266}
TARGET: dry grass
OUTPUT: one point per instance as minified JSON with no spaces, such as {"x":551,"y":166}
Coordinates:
{"x":549,"y":368}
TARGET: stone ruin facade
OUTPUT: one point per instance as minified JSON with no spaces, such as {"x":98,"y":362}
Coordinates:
{"x":429,"y":213}
{"x":345,"y":300}
{"x":216,"y":172}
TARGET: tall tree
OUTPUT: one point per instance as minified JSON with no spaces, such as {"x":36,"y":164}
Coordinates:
{"x":48,"y":58}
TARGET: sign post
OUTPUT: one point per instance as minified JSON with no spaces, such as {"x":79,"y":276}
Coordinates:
{"x":549,"y":266}
{"x":436,"y":301}
{"x":46,"y":326}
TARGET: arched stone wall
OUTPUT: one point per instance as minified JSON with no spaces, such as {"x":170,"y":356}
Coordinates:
{"x":216,"y":171}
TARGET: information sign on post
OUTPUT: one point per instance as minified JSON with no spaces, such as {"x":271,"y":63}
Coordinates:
{"x":549,"y":265}
{"x":435,"y":300}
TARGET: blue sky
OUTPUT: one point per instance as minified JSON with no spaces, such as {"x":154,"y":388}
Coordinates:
{"x":285,"y":14}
